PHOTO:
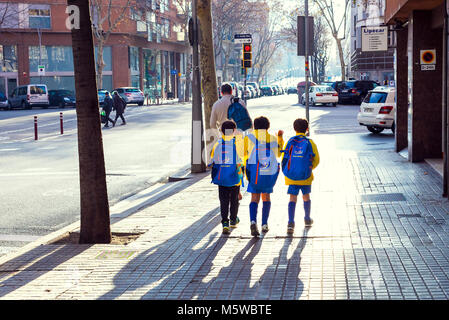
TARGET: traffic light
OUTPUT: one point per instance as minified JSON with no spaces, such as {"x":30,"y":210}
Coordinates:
{"x":247,"y":55}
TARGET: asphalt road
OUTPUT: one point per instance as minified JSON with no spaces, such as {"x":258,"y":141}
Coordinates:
{"x":39,"y":184}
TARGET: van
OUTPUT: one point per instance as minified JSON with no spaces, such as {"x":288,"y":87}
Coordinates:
{"x":28,"y":96}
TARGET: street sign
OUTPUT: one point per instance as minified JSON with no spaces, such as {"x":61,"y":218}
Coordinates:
{"x":428,"y":67}
{"x":428,"y":56}
{"x":243,"y":38}
{"x":301,"y":29}
{"x":174,"y":72}
{"x":41,"y":70}
{"x":374,"y":39}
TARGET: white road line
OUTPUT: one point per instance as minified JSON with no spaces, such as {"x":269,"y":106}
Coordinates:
{"x":14,"y":149}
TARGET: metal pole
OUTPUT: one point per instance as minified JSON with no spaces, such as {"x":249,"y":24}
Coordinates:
{"x":40,"y":51}
{"x":306,"y":58}
{"x":197,"y":151}
{"x":244,"y":86}
{"x":61,"y":122}
{"x":35,"y":128}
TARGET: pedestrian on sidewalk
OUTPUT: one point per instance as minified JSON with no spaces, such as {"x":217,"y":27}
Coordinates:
{"x":300,"y":158}
{"x":119,"y":107}
{"x":262,"y":169}
{"x":219,"y":113}
{"x":107,"y":108}
{"x":227,"y":172}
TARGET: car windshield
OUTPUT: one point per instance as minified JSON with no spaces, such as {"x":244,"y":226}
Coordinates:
{"x":38,"y":90}
{"x":132,"y":90}
{"x":348,"y":85}
{"x":66,"y":93}
{"x":324,"y":89}
{"x":376,"y":97}
{"x":2,"y":97}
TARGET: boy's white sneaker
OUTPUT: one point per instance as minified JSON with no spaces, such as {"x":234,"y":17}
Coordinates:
{"x":265,"y":228}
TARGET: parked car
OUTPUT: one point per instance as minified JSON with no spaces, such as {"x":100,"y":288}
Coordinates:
{"x":281,"y":89}
{"x":354,"y":91}
{"x":267,"y":91}
{"x":240,"y":87}
{"x":275,"y":90}
{"x":3,"y":101}
{"x":252,"y":91}
{"x":101,"y":95}
{"x":378,"y":109}
{"x":61,"y":98}
{"x":28,"y":96}
{"x":131,"y":95}
{"x":321,"y":95}
{"x":292,"y":90}
{"x":256,"y":88}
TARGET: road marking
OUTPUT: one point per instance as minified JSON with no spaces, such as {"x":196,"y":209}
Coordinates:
{"x":13,"y":149}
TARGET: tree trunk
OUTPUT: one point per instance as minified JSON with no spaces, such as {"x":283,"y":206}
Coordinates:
{"x":95,"y":222}
{"x":342,"y":58}
{"x":100,"y":63}
{"x":207,"y":59}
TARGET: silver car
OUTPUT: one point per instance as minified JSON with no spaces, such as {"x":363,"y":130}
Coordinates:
{"x":131,"y":95}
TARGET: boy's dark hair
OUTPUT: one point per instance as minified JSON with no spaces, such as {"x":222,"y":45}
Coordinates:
{"x":226,"y":88}
{"x":261,"y":123}
{"x":301,"y":125}
{"x":228,"y":126}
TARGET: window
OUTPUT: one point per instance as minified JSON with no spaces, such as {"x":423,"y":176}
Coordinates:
{"x":22,"y":91}
{"x":54,"y":58}
{"x":9,"y":15}
{"x":8,"y":59}
{"x":164,"y":6}
{"x":165,"y":28}
{"x":37,"y":90}
{"x":376,"y":97}
{"x":39,"y":16}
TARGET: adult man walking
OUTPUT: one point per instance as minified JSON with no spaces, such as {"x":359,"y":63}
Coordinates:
{"x":119,"y":107}
{"x":220,"y":108}
{"x":107,"y":108}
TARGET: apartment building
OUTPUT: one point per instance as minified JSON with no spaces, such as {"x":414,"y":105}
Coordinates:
{"x":146,"y":49}
{"x":375,"y":65}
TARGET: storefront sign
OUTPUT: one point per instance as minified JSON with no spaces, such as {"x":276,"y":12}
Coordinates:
{"x":374,"y":39}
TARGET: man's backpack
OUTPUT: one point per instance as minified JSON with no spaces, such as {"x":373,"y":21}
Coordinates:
{"x":225,"y":169}
{"x":262,"y":168}
{"x":240,"y":115}
{"x":298,"y":159}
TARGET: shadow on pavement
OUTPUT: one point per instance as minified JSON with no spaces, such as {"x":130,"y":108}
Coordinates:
{"x":171,"y":263}
{"x":46,"y":259}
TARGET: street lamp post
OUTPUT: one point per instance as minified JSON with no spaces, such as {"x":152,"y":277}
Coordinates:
{"x":197,"y":151}
{"x":306,"y":58}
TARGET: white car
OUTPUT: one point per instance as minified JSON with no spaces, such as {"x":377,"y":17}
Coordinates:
{"x":321,"y":95}
{"x":378,"y":110}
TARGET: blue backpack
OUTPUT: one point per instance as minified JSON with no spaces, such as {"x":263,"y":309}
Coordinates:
{"x":224,"y":166}
{"x":298,"y":159}
{"x":240,"y":115}
{"x":262,"y":168}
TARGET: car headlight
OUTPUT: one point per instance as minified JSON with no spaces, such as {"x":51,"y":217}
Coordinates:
{"x":66,"y":99}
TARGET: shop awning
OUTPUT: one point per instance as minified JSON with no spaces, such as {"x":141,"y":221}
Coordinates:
{"x":401,"y":9}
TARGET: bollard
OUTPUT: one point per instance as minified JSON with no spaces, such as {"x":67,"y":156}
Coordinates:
{"x":61,"y":122}
{"x":35,"y":127}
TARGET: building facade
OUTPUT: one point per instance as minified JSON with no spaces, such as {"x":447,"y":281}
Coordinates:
{"x":147,"y":48}
{"x":422,"y":79}
{"x":376,"y":65}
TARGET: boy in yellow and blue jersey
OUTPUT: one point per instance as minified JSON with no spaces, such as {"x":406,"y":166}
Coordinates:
{"x":260,"y":136}
{"x":301,"y":127}
{"x":227,"y":172}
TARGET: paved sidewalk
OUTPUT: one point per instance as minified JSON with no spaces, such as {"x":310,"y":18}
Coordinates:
{"x":381,"y":232}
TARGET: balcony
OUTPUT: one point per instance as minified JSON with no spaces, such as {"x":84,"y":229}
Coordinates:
{"x":370,"y":61}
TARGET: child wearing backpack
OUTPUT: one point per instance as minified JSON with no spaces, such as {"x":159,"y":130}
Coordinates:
{"x":300,"y":158}
{"x":227,"y":173}
{"x":262,"y":169}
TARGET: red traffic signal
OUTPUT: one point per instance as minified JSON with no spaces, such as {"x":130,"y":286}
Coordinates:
{"x":246,"y":48}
